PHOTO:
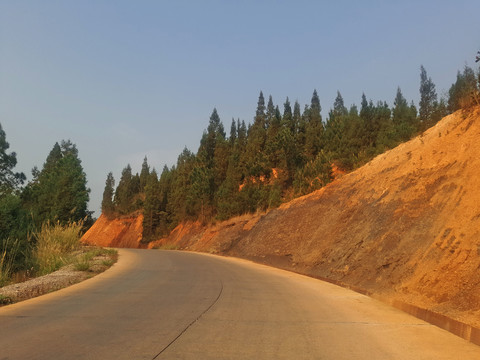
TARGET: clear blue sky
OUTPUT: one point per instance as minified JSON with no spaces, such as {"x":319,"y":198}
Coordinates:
{"x":125,"y":79}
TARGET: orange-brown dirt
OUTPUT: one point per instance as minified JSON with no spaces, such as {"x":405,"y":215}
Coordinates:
{"x":125,"y":232}
{"x":406,"y":226}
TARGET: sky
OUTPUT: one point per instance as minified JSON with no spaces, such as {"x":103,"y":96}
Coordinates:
{"x":127,"y":79}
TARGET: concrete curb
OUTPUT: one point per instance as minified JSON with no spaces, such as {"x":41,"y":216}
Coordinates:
{"x":456,"y":327}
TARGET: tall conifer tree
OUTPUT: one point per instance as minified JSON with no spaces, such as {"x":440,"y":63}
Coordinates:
{"x":428,"y":99}
{"x":108,"y":207}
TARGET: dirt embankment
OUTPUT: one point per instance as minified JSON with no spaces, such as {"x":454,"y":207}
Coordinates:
{"x":406,"y":226}
{"x":125,"y":232}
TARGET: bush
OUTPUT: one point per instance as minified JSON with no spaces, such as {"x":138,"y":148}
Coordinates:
{"x":54,"y":244}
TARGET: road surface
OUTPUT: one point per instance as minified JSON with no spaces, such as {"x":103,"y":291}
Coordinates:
{"x":176,"y":305}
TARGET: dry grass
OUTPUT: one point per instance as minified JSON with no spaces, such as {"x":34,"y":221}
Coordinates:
{"x":55,"y":244}
{"x":6,"y":261}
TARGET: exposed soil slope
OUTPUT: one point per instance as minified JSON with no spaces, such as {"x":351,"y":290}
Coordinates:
{"x":405,"y":226}
{"x":124,"y":232}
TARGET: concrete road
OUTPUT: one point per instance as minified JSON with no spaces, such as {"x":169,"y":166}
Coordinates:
{"x":175,"y":305}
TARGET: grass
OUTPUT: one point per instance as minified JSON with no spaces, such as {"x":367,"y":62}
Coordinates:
{"x":82,"y":262}
{"x":55,"y":244}
{"x":85,"y":260}
{"x":5,"y":300}
{"x":166,"y":247}
{"x":108,"y":262}
{"x":6,"y":261}
{"x":59,"y":245}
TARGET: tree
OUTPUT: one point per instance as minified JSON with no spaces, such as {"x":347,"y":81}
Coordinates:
{"x":272,"y":146}
{"x":108,"y":207}
{"x":59,"y":191}
{"x":315,"y":174}
{"x":154,"y":211}
{"x":314,"y":127}
{"x":404,"y":117}
{"x":233,"y":133}
{"x":256,"y":162}
{"x":144,"y":173}
{"x":428,"y":99}
{"x":9,"y":180}
{"x":335,"y":124}
{"x":465,"y":91}
{"x":260,"y":113}
{"x":125,"y":192}
{"x":177,"y":206}
{"x":215,"y":133}
{"x":13,"y":218}
{"x":73,"y":190}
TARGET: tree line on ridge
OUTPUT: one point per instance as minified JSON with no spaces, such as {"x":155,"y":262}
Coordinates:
{"x":285,"y":153}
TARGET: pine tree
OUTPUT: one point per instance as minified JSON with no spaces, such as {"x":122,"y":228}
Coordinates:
{"x":59,"y":192}
{"x":256,"y":162}
{"x":108,"y":207}
{"x":215,"y":132}
{"x":270,"y":114}
{"x":144,"y":173}
{"x":335,"y":125}
{"x":260,"y":113}
{"x":428,"y":99}
{"x":369,"y":130}
{"x":272,"y":146}
{"x":125,"y":192}
{"x":404,"y":118}
{"x":233,"y":133}
{"x":154,"y":216}
{"x":314,"y":128}
{"x":287,"y":118}
{"x":177,"y":206}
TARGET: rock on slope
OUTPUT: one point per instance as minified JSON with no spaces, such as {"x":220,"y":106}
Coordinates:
{"x":405,"y":226}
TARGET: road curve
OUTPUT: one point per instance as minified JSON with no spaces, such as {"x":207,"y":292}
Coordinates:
{"x":178,"y":305}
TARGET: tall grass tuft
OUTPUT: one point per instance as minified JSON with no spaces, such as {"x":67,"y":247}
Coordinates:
{"x":8,"y":251}
{"x":54,"y":245}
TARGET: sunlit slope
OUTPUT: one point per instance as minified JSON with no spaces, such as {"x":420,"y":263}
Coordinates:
{"x":125,"y":232}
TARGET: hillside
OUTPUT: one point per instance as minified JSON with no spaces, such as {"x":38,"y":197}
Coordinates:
{"x":125,"y":232}
{"x":405,"y":226}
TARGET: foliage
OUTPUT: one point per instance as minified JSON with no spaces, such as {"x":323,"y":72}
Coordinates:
{"x":59,"y":192}
{"x":465,"y":92}
{"x":108,"y":207}
{"x":9,"y":180}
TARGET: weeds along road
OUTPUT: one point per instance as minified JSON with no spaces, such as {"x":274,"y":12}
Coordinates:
{"x":176,"y":305}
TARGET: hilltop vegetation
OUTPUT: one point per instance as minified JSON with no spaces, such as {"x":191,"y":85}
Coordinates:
{"x":283,"y":154}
